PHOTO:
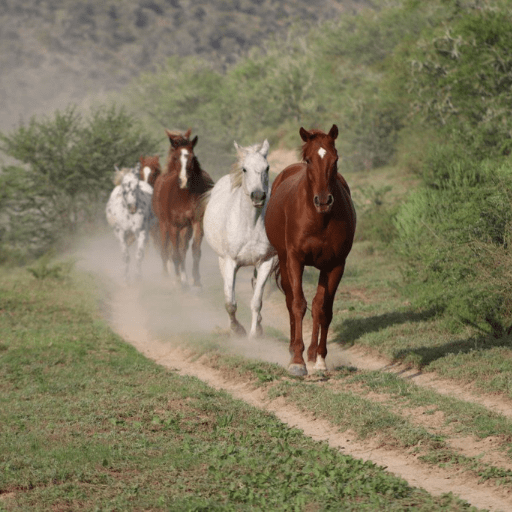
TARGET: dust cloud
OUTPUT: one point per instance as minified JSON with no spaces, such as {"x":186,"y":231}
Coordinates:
{"x":156,"y":309}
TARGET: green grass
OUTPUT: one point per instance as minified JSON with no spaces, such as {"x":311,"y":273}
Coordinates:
{"x":90,"y":424}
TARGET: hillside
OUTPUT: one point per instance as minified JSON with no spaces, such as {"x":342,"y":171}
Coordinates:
{"x":53,"y":53}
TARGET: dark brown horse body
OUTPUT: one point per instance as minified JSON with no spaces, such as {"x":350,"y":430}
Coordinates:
{"x":311,"y":221}
{"x":177,"y":204}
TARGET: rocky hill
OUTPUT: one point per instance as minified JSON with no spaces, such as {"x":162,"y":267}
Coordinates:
{"x":53,"y":52}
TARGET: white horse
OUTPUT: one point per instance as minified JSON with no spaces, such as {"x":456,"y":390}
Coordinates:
{"x":130,"y":213}
{"x":235,"y":229}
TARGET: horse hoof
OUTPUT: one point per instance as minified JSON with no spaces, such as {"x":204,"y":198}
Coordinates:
{"x":297,"y":370}
{"x":258,"y":333}
{"x":238,"y":330}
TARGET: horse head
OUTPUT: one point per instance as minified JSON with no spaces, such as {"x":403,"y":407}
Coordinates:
{"x":181,"y":157}
{"x":130,"y":188}
{"x":252,"y":172}
{"x":150,"y":169}
{"x":321,"y":158}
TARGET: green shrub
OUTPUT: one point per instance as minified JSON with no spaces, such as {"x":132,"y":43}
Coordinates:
{"x":454,"y":233}
{"x":63,"y":175}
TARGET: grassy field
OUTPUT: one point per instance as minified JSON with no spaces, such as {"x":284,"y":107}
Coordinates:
{"x":90,"y":424}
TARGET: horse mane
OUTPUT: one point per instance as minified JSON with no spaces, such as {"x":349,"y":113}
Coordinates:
{"x":119,"y":174}
{"x":236,"y":172}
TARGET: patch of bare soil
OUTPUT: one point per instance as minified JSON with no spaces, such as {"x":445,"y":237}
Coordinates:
{"x":154,"y":314}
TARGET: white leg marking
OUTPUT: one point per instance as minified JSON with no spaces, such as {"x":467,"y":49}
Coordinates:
{"x":320,"y":363}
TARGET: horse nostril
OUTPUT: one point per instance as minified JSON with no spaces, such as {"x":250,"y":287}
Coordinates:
{"x":330,"y":199}
{"x":258,"y":196}
{"x":316,"y":201}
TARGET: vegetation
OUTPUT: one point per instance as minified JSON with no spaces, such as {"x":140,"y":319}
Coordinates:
{"x":63,"y":175}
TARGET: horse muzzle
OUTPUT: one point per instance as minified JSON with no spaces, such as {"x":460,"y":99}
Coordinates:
{"x":323,"y":206}
{"x":132,"y":208}
{"x":258,"y":198}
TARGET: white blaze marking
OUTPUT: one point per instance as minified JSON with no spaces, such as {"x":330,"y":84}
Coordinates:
{"x":322,"y":152}
{"x":146,"y":172}
{"x":183,"y":172}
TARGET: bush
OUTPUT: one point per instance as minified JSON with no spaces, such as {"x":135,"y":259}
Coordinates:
{"x":63,"y":175}
{"x":454,"y":233}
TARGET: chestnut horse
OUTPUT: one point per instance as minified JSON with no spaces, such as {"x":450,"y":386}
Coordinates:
{"x":150,"y":169}
{"x":178,"y":207}
{"x":311,"y":221}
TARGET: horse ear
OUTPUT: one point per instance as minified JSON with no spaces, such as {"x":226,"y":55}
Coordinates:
{"x":237,"y":147}
{"x":333,"y":132}
{"x":171,"y":137}
{"x":116,"y":168}
{"x":187,"y":133}
{"x":264,"y":148}
{"x":194,"y":141}
{"x":305,"y":135}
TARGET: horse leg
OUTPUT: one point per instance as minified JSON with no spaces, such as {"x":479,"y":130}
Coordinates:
{"x":139,"y":255}
{"x":120,"y":235}
{"x":176,"y":256}
{"x":291,"y":281}
{"x":184,"y":235}
{"x":228,"y":269}
{"x":322,"y":315}
{"x":196,"y":252}
{"x":164,"y":246}
{"x":262,"y":273}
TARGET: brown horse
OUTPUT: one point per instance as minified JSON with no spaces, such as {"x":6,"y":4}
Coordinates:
{"x":178,"y":206}
{"x":311,"y":221}
{"x":150,"y":169}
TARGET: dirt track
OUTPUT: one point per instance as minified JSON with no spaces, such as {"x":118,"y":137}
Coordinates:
{"x":153,"y":316}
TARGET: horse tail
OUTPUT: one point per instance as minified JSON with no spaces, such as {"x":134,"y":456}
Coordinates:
{"x":276,"y":272}
{"x":203,"y":201}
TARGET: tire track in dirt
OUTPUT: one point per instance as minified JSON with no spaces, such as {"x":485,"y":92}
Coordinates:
{"x":437,"y":481}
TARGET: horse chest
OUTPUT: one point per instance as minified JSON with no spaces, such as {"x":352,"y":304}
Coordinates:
{"x":323,"y":247}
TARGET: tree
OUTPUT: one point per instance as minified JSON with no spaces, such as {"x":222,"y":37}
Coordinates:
{"x":63,"y":173}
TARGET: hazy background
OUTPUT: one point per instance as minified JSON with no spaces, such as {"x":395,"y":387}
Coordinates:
{"x":61,"y":51}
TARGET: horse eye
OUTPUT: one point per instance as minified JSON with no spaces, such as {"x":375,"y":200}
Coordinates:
{"x":244,"y":169}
